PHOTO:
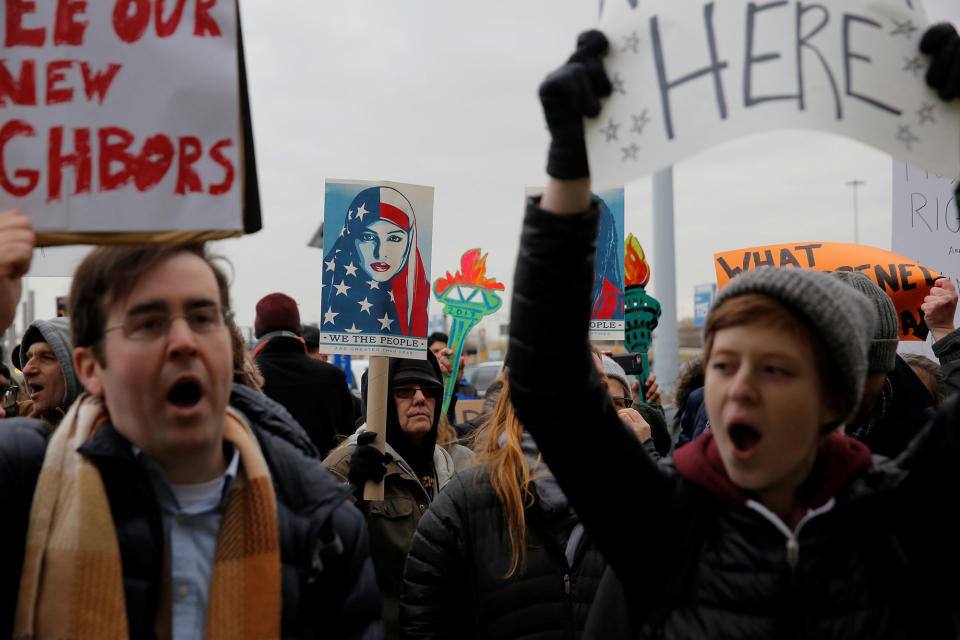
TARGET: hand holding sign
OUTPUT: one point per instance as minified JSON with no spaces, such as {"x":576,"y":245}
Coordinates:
{"x":16,"y":249}
{"x":567,"y":95}
{"x":939,"y":307}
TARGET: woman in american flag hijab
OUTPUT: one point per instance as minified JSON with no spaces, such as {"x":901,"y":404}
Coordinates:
{"x":373,"y":278}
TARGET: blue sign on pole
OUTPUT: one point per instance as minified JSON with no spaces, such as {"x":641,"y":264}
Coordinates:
{"x":703,"y":295}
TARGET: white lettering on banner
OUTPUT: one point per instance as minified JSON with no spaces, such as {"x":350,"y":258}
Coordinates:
{"x":689,"y":75}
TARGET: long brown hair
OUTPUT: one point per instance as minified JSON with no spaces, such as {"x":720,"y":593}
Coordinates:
{"x":509,"y":474}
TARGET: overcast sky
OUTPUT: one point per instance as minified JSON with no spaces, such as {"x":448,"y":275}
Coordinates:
{"x":443,"y":93}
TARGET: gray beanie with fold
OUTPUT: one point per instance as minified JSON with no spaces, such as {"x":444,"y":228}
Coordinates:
{"x":56,"y":333}
{"x":886,"y":332}
{"x":612,"y":369}
{"x":840,"y":315}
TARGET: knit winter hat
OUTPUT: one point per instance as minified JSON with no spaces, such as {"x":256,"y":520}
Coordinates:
{"x":886,"y":332}
{"x":841,"y":316}
{"x":612,"y":369}
{"x":276,"y":312}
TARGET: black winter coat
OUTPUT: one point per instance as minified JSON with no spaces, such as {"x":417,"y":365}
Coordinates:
{"x":314,"y":392}
{"x":880,"y":562}
{"x":453,"y":579}
{"x":329,"y":588}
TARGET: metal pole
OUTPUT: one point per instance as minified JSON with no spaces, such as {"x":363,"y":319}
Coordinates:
{"x":856,"y":217}
{"x":666,"y":348}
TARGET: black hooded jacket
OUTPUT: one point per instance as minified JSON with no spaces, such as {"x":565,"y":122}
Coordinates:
{"x":877,"y":559}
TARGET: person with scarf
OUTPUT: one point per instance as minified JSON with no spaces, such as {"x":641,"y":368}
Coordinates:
{"x":413,"y":467}
{"x":169,"y":502}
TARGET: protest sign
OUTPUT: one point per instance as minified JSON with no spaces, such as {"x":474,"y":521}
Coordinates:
{"x":703,"y":295}
{"x":689,"y":75}
{"x":606,"y":317}
{"x":907,"y":282}
{"x":376,"y":262}
{"x":467,"y":297}
{"x":126,"y":120}
{"x":607,"y":295}
{"x":468,"y":410}
{"x":926,"y":226}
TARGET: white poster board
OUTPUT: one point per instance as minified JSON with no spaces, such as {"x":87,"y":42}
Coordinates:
{"x":689,"y":75}
{"x":926,"y":228}
{"x":121,"y":116}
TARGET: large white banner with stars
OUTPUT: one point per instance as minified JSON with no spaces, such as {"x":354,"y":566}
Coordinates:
{"x":689,"y":75}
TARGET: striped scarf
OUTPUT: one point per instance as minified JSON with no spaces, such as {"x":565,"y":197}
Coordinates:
{"x":71,"y":587}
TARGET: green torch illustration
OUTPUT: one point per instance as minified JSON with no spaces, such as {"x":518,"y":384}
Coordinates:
{"x":467,"y":297}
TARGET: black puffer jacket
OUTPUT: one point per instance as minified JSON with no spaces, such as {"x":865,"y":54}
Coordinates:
{"x":880,"y":560}
{"x":453,"y":580}
{"x":329,"y":588}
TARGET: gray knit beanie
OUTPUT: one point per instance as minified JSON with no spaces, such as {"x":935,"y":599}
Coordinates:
{"x":841,"y":316}
{"x":612,"y":369}
{"x":886,"y":332}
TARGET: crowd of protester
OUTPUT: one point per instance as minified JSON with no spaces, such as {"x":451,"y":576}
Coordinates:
{"x":161,"y":479}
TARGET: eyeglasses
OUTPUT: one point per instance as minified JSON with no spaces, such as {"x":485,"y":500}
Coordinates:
{"x":11,"y":395}
{"x":408,"y":392}
{"x":622,"y":403}
{"x":151,"y":325}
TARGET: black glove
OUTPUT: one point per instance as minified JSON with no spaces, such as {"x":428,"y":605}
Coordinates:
{"x":567,"y":95}
{"x":942,"y":42}
{"x":367,"y":463}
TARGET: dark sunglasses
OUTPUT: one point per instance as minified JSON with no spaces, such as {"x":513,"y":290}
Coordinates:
{"x":408,"y":392}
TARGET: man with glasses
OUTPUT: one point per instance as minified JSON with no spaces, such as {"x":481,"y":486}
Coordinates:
{"x":413,"y":469}
{"x":45,"y":356}
{"x":166,"y":505}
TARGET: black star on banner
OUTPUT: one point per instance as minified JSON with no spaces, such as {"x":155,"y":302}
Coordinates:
{"x":631,"y":43}
{"x":904,"y":29}
{"x":906,"y":136}
{"x":630,"y":153}
{"x":610,"y":131}
{"x":639,"y":122}
{"x":914,"y":65}
{"x":617,"y":84}
{"x":925,"y":113}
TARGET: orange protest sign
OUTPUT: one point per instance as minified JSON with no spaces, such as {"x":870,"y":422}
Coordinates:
{"x":905,"y":281}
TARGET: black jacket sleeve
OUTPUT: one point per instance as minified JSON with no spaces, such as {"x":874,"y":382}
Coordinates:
{"x":560,"y":399}
{"x":360,"y":616}
{"x":23,"y":443}
{"x":947,"y":350}
{"x":432,"y":603}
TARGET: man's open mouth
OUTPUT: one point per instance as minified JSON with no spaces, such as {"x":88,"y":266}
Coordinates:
{"x":185,"y":394}
{"x":379,"y":266}
{"x":744,"y":437}
{"x":36,"y":388}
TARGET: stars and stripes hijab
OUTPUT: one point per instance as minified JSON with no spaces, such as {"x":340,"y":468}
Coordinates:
{"x":352,"y":300}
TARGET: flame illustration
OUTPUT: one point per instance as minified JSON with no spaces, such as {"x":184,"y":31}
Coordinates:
{"x":473,"y":271}
{"x":636,"y":269}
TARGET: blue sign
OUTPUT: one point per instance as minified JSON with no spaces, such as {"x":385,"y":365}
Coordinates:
{"x":703,"y":295}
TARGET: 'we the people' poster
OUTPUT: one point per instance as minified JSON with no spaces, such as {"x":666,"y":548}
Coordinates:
{"x":377,"y":244}
{"x":689,"y":75}
{"x":123,"y":116}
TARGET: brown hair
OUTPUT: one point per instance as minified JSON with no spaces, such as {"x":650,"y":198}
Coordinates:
{"x":245,"y":370}
{"x":108,"y":275}
{"x":753,"y":308}
{"x":938,"y":386}
{"x":508,"y":471}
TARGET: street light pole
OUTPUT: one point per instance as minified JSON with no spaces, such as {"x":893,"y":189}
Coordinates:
{"x":856,"y":222}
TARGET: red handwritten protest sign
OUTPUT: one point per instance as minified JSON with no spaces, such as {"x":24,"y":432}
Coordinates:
{"x":122,"y":116}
